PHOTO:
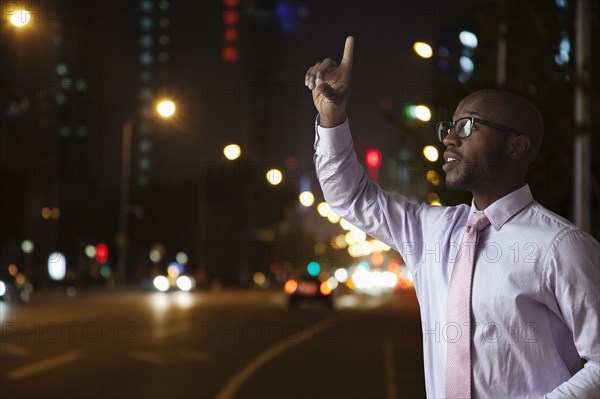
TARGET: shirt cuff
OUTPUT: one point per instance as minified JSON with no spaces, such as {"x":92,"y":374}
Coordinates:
{"x":332,"y":141}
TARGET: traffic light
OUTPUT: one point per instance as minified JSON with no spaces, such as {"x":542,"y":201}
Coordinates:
{"x":420,"y":112}
{"x":101,"y":253}
{"x":373,"y":160}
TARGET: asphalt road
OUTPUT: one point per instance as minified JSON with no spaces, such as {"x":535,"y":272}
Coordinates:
{"x":228,"y":344}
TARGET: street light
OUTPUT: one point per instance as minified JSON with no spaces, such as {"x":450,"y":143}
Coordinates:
{"x":430,"y":153}
{"x":306,"y":198}
{"x":20,"y":18}
{"x":166,"y":109}
{"x":274,"y":176}
{"x":423,"y":49}
{"x":232,"y":151}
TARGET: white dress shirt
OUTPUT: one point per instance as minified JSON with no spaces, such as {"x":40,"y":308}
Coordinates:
{"x":536,"y":284}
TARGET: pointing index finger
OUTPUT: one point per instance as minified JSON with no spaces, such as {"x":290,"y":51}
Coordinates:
{"x":348,"y":53}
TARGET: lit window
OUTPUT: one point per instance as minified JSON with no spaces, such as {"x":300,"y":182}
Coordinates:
{"x":66,"y":83}
{"x":146,"y":41}
{"x":61,"y":98}
{"x":81,"y":85}
{"x":64,"y":131}
{"x":164,"y":22}
{"x":164,"y":40}
{"x":146,"y":23}
{"x":146,"y":5}
{"x":145,"y":146}
{"x":62,"y":69}
{"x":163,"y":57}
{"x":145,"y":58}
{"x":144,"y":164}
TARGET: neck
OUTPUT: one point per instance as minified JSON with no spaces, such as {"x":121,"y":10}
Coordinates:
{"x":485,"y":197}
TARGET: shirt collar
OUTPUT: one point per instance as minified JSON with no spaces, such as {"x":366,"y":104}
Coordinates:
{"x":506,"y":207}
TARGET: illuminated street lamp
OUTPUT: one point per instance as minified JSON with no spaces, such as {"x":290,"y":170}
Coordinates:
{"x":166,"y":109}
{"x":423,"y":49}
{"x":430,"y":153}
{"x":232,"y":151}
{"x":20,"y":18}
{"x":274,"y":176}
{"x":306,"y":198}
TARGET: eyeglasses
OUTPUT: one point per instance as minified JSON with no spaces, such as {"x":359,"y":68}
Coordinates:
{"x":463,"y":127}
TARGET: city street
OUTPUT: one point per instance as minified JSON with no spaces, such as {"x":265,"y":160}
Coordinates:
{"x":180,"y":177}
{"x":227,"y":344}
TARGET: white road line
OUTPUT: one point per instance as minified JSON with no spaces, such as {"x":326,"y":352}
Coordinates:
{"x":234,"y":383}
{"x":14,"y":349}
{"x":44,"y":365}
{"x":390,"y":370}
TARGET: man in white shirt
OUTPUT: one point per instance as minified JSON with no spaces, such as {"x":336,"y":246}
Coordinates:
{"x":509,"y":291}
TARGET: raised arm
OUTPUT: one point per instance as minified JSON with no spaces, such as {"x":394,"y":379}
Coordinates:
{"x":346,"y":188}
{"x":330,"y":85}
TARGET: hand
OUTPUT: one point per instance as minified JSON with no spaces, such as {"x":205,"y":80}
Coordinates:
{"x":330,"y":85}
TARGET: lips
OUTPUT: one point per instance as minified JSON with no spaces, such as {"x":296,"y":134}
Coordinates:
{"x":451,"y":159}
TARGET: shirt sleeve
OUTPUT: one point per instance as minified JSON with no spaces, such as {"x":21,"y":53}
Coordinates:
{"x":389,"y":217}
{"x":573,"y":273}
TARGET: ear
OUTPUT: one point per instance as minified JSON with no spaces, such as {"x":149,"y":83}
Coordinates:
{"x":518,"y":146}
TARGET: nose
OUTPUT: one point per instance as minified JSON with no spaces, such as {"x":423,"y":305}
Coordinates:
{"x":451,"y":139}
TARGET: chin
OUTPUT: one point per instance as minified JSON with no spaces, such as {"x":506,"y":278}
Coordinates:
{"x":458,"y":183}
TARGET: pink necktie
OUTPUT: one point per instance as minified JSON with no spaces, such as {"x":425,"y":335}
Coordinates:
{"x":458,"y":320}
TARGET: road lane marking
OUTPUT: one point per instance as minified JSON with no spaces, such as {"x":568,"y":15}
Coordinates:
{"x":44,"y":365}
{"x":390,"y":370}
{"x":234,"y":383}
{"x":15,"y":349}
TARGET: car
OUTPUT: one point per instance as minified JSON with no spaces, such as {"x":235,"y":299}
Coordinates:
{"x":308,"y":289}
{"x":173,"y":283}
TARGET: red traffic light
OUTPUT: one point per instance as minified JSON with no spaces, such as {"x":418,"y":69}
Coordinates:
{"x":101,"y":253}
{"x":373,"y":158}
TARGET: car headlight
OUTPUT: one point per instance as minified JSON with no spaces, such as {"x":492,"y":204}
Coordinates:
{"x":185,"y":283}
{"x":161,"y":283}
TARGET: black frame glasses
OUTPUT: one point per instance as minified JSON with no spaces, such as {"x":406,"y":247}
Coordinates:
{"x":463,"y":127}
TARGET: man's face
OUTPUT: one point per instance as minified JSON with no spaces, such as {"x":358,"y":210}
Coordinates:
{"x":478,"y":160}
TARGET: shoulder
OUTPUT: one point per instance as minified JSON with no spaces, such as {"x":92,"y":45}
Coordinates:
{"x":433,"y":214}
{"x":550,"y":219}
{"x":565,"y":238}
{"x":560,"y":226}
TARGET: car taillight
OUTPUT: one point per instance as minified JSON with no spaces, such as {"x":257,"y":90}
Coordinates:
{"x":325,"y":288}
{"x":290,"y":287}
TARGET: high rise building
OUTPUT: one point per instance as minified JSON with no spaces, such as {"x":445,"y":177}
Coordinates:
{"x":154,"y":57}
